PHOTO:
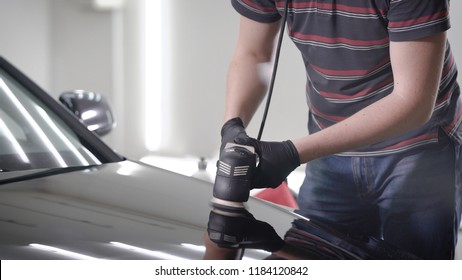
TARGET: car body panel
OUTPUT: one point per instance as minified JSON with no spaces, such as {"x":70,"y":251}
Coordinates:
{"x":127,"y":202}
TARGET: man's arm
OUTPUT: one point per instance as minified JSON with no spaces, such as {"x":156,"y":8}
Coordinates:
{"x":247,"y":75}
{"x":417,"y":67}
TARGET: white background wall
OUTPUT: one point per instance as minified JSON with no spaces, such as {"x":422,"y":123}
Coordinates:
{"x":25,"y":37}
{"x":68,"y":44}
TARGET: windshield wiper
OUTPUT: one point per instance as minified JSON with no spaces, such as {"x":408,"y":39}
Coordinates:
{"x":34,"y":174}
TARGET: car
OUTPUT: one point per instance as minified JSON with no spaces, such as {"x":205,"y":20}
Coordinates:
{"x":65,"y":194}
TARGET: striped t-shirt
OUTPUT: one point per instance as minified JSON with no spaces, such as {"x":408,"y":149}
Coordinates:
{"x":345,"y":48}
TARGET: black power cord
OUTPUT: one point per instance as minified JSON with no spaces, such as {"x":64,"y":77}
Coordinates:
{"x":240,"y":252}
{"x":275,"y":67}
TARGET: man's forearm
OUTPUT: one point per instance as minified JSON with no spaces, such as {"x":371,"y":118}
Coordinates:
{"x":386,"y":118}
{"x":246,"y":88}
{"x":249,"y":69}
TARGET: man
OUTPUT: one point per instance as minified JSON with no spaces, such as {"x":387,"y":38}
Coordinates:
{"x":384,"y":138}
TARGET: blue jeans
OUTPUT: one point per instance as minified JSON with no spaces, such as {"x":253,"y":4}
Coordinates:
{"x":412,"y":199}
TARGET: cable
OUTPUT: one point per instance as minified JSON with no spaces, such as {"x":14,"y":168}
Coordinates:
{"x":275,"y":67}
{"x":240,"y":252}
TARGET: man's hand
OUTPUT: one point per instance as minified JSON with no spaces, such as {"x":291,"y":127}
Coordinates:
{"x":276,"y":161}
{"x":232,"y":129}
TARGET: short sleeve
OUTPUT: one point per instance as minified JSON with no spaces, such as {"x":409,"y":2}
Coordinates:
{"x":259,"y":10}
{"x":414,"y":19}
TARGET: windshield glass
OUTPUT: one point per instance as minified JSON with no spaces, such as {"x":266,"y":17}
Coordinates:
{"x":32,"y":136}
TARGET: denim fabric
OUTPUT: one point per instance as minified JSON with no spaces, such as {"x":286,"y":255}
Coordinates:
{"x":412,"y":200}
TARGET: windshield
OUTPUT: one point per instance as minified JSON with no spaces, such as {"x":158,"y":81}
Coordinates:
{"x":32,"y":136}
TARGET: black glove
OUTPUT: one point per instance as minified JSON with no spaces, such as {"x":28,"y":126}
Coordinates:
{"x":276,"y":161}
{"x":232,"y":129}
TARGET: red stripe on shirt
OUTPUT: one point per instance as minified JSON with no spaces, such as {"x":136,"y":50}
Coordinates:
{"x":328,"y":117}
{"x":332,"y":7}
{"x":258,"y":7}
{"x":396,"y":24}
{"x":345,"y":73}
{"x":412,"y":141}
{"x":358,"y":94}
{"x":336,"y":40}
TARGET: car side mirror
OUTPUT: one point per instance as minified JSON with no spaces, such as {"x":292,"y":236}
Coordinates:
{"x":91,"y":108}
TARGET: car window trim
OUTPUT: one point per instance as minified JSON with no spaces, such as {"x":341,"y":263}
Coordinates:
{"x":87,"y":136}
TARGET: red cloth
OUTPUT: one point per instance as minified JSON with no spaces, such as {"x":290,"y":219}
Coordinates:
{"x":281,"y":195}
